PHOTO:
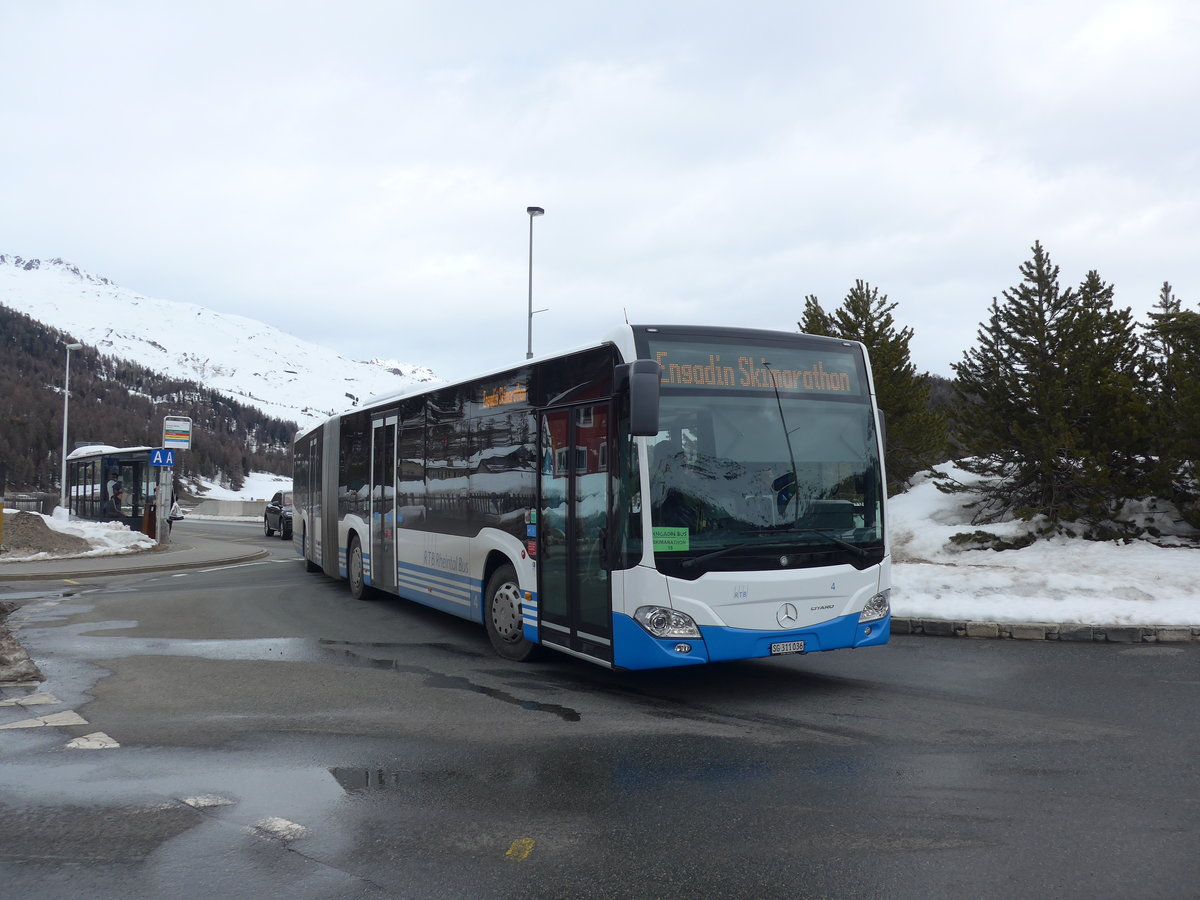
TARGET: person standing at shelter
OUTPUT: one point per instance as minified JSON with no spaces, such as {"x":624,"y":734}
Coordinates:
{"x":112,"y":508}
{"x":114,"y":481}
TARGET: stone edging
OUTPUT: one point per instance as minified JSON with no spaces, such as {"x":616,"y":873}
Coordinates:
{"x":1047,"y":631}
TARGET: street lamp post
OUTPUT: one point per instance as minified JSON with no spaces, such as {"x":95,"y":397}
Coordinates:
{"x":62,"y":487}
{"x":533,"y":211}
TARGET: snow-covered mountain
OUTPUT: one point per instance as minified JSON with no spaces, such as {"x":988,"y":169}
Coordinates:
{"x":253,"y":362}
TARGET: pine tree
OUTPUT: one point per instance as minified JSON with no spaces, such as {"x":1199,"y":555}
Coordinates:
{"x":815,"y":319}
{"x":1173,"y":364}
{"x":1111,"y":407}
{"x":1162,"y":369}
{"x":916,"y":433}
{"x":1157,"y":344}
{"x":1051,"y":414}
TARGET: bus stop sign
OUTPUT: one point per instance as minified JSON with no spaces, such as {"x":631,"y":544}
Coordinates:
{"x":177,"y":432}
{"x":162,"y":457}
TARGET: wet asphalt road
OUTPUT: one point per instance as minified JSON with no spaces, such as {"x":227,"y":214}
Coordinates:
{"x":279,"y":739}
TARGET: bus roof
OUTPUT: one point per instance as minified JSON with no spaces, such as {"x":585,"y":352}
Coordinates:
{"x":622,"y":337}
{"x":103,"y":450}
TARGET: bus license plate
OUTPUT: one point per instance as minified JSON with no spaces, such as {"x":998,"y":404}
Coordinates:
{"x":787,"y":647}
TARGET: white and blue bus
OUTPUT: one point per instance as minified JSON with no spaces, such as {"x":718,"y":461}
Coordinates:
{"x":673,"y":495}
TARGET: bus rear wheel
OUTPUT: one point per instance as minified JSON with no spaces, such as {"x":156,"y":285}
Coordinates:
{"x":355,"y":573}
{"x":309,"y":565}
{"x":502,"y":616}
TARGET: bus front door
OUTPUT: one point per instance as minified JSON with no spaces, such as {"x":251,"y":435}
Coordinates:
{"x":574,"y":597}
{"x":383,"y":504}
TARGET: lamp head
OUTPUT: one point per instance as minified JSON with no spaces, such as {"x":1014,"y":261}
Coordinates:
{"x":535,"y":211}
{"x":74,"y":346}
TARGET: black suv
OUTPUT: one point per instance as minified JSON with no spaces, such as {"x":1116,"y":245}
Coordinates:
{"x":278,"y":515}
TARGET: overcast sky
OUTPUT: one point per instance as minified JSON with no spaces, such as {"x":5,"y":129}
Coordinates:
{"x":357,"y":173}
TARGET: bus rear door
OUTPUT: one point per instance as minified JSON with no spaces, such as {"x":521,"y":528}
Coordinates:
{"x":383,"y":503}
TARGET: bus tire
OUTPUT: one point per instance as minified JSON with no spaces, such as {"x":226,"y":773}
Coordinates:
{"x":502,"y":616}
{"x":309,"y":565}
{"x":354,"y":570}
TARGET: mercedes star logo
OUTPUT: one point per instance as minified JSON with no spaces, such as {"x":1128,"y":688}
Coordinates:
{"x":787,"y":617}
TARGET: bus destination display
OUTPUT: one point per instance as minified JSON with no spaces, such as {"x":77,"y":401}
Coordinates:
{"x":785,"y":369}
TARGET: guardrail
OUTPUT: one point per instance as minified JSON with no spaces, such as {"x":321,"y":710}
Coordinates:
{"x":229,"y":508}
{"x":40,"y":502}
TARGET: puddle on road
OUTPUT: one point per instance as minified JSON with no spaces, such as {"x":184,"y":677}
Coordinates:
{"x":82,"y":642}
{"x":358,"y":781}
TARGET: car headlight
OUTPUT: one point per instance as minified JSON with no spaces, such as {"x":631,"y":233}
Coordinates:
{"x":666,"y":623}
{"x":877,"y":607}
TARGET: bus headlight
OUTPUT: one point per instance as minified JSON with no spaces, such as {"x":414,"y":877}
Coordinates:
{"x":666,"y":623}
{"x":877,"y":607}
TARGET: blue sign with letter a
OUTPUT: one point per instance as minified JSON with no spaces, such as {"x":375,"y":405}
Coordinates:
{"x":162,"y":457}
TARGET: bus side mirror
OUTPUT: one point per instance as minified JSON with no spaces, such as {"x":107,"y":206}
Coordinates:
{"x":642,"y":376}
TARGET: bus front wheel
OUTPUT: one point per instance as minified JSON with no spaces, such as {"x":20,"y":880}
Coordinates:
{"x":502,"y":616}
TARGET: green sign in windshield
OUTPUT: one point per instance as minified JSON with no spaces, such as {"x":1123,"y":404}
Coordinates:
{"x":669,"y":539}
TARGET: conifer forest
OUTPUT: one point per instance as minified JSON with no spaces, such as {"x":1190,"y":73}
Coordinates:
{"x":116,"y":402}
{"x":1065,"y":406}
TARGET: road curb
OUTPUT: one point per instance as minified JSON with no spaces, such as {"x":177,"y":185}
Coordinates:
{"x":1048,"y":631}
{"x":138,"y":568}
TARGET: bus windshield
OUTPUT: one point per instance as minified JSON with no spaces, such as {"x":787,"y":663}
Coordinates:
{"x":764,"y":453}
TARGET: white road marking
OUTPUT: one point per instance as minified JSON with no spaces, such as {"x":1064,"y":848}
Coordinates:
{"x":236,"y":566}
{"x":97,"y":740}
{"x":206,"y":801}
{"x":38,"y":699}
{"x":281,"y":829}
{"x":70,"y":717}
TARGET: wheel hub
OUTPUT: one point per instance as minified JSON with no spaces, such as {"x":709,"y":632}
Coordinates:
{"x":506,"y":616}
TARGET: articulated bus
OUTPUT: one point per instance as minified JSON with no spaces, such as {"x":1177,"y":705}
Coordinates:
{"x":673,"y":495}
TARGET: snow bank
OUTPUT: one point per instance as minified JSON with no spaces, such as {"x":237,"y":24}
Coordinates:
{"x":1060,"y":579}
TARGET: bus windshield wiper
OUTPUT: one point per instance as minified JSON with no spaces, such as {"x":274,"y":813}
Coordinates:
{"x":792,"y":529}
{"x":787,"y":436}
{"x":846,"y":545}
{"x":688,"y":563}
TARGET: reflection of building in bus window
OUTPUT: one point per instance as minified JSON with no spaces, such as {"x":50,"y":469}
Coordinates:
{"x":673,"y":506}
{"x":664,"y":453}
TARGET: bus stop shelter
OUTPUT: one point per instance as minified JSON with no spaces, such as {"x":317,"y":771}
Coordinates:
{"x":92,"y":473}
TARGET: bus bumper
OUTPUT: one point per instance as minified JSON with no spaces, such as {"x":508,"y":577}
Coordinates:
{"x":635,"y":648}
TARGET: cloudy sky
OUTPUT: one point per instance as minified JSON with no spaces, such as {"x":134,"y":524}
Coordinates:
{"x":357,"y":173}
